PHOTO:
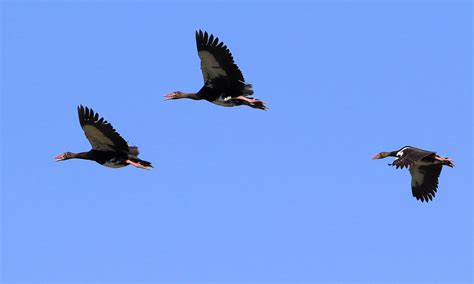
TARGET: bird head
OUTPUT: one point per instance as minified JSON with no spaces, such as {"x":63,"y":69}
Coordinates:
{"x":381,"y":155}
{"x":64,"y":156}
{"x":174,"y":95}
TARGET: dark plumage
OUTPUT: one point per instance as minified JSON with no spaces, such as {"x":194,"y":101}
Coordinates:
{"x":108,"y":147}
{"x":425,"y":169}
{"x":224,"y":83}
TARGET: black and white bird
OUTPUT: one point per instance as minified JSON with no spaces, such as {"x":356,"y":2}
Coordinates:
{"x":108,"y":147}
{"x":224,"y":83}
{"x":424,"y":166}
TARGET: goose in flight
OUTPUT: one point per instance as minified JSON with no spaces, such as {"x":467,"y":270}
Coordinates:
{"x":108,"y":147}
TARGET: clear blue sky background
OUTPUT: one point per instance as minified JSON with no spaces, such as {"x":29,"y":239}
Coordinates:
{"x":238,"y":195}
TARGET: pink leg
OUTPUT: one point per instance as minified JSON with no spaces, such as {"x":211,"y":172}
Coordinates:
{"x":247,"y":99}
{"x":444,"y":159}
{"x":448,"y":160}
{"x":254,"y":102}
{"x":137,"y":165}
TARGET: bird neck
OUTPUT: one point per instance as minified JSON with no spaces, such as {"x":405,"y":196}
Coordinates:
{"x":392,"y":154}
{"x":82,"y":155}
{"x":193,"y":96}
{"x":383,"y":155}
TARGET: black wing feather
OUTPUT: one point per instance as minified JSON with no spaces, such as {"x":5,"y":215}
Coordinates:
{"x":424,"y":184}
{"x":219,"y":52}
{"x":99,"y":132}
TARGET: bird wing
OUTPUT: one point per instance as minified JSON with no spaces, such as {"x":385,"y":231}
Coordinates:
{"x":99,"y":132}
{"x":409,"y":156}
{"x":216,"y":59}
{"x":424,"y":181}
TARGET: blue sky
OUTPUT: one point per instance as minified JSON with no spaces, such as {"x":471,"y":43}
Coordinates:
{"x":238,"y":195}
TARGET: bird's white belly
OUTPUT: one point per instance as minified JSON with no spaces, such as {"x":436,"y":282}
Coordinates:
{"x":224,"y":101}
{"x":224,"y":104}
{"x":113,"y":165}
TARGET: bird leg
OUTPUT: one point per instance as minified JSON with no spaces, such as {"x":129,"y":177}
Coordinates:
{"x":443,"y":159}
{"x":252,"y":101}
{"x":448,"y":161}
{"x":137,"y":165}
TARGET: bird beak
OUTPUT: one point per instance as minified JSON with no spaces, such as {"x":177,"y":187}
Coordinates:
{"x":169,"y":96}
{"x":59,"y":158}
{"x":376,"y":157}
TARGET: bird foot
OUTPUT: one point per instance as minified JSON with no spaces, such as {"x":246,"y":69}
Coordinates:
{"x":137,"y":165}
{"x":255,"y":103}
{"x":449,"y":162}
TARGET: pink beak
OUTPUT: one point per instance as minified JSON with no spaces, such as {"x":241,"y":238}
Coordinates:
{"x":169,"y":96}
{"x":59,"y":157}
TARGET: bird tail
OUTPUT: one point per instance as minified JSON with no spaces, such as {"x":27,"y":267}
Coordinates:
{"x":133,"y":150}
{"x":143,"y":162}
{"x":247,"y":91}
{"x":133,"y":156}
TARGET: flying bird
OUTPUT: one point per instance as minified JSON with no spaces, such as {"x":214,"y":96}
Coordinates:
{"x":424,"y":166}
{"x":224,"y":83}
{"x":108,"y":147}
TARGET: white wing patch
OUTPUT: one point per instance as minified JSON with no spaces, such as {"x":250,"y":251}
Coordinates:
{"x":417,"y":176}
{"x":97,"y":139}
{"x":400,"y":153}
{"x":224,"y":101}
{"x":210,"y":66}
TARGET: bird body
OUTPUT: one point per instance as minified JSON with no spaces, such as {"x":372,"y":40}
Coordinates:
{"x":108,"y":147}
{"x":224,"y":92}
{"x":424,"y":166}
{"x":224,"y":84}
